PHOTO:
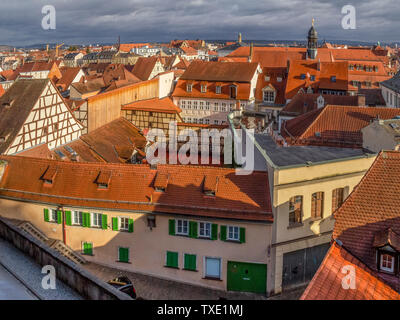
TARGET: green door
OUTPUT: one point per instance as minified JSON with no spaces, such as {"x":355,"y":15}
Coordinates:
{"x":247,"y":277}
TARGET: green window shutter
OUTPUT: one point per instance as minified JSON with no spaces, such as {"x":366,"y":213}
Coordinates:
{"x":190,"y":262}
{"x":124,"y":254}
{"x":87,"y":214}
{"x":172,"y":259}
{"x":192,"y":229}
{"x":242,"y":235}
{"x":68,"y":219}
{"x":87,"y":248}
{"x":171,"y":227}
{"x":46,"y":215}
{"x":131,"y":225}
{"x":104,"y":221}
{"x":59,"y":217}
{"x":115,"y":224}
{"x":214,"y":232}
{"x":223,"y":233}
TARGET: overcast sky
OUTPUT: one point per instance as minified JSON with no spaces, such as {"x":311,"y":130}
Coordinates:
{"x":101,"y":21}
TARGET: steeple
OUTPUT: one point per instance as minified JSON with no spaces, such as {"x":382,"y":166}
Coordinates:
{"x":312,"y":44}
{"x":240,"y":38}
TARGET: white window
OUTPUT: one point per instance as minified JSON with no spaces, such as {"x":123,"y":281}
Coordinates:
{"x":205,"y":229}
{"x":269,"y":96}
{"x":96,"y":220}
{"x":232,"y":106}
{"x":183,"y":104}
{"x":216,"y":106}
{"x":203,"y":88}
{"x":124,"y":224}
{"x":195,"y":103}
{"x":218,"y":89}
{"x":216,"y":122}
{"x":208,"y":105}
{"x":182,"y":227}
{"x":387,"y":262}
{"x":189,"y":88}
{"x":212,"y":268}
{"x":189,"y":104}
{"x":53,"y":216}
{"x":201,"y":105}
{"x":233,"y":233}
{"x":207,"y":121}
{"x":77,"y":218}
{"x":267,"y":78}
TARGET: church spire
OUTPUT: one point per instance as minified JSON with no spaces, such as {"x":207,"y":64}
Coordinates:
{"x":312,"y":43}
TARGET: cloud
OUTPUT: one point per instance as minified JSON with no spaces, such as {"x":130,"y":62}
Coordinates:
{"x":93,"y":21}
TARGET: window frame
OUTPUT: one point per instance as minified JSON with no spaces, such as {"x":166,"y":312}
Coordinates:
{"x":119,"y":254}
{"x":205,"y":267}
{"x":199,"y":229}
{"x":314,"y":215}
{"x":381,"y":260}
{"x":177,"y":226}
{"x":120,"y":228}
{"x":51,"y":215}
{"x":92,"y":219}
{"x":293,"y":211}
{"x":80,"y":214}
{"x":228,"y":233}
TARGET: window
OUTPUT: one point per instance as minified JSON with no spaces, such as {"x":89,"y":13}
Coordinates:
{"x":183,"y":104}
{"x":189,"y":88}
{"x":218,"y":89}
{"x":208,"y":105}
{"x":97,"y":220}
{"x":53,"y":215}
{"x":387,"y":262}
{"x":312,"y":78}
{"x":233,"y":233}
{"x":223,"y":107}
{"x":172,"y":259}
{"x":295,"y":210}
{"x":182,"y":227}
{"x":317,"y":205}
{"x":195,"y":103}
{"x":124,"y":224}
{"x":212,"y":268}
{"x":205,"y":230}
{"x":201,"y":105}
{"x":123,"y":254}
{"x":267,"y":78}
{"x":189,"y":105}
{"x":87,"y":248}
{"x":337,"y":198}
{"x":269,"y":96}
{"x":233,"y":91}
{"x":333,"y":79}
{"x":190,"y":262}
{"x":216,"y":122}
{"x":203,"y":88}
{"x":302,"y":76}
{"x":77,"y":218}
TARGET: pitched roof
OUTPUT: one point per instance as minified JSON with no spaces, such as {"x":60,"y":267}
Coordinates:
{"x":333,"y":125}
{"x":393,"y":83}
{"x":144,"y":66}
{"x":220,"y":71}
{"x":68,"y":75}
{"x":21,"y":97}
{"x":131,"y":188}
{"x":370,"y":209}
{"x":327,"y":282}
{"x":164,"y":105}
{"x":101,"y":144}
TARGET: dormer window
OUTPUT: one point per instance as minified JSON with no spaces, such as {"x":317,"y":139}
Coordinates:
{"x":210,"y":186}
{"x":233,"y":91}
{"x":387,"y":263}
{"x":218,"y":89}
{"x":103,"y":180}
{"x":333,"y":79}
{"x":189,"y":87}
{"x":387,"y":244}
{"x":49,"y":176}
{"x":302,"y":76}
{"x":203,"y":88}
{"x":161,"y":182}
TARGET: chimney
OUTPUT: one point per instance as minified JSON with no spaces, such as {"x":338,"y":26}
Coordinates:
{"x":251,"y":52}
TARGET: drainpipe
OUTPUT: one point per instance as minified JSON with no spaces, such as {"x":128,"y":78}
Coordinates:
{"x":64,"y":229}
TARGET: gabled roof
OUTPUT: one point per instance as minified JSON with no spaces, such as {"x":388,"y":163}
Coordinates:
{"x":164,"y":105}
{"x":393,"y":83}
{"x":21,"y":97}
{"x":333,"y":125}
{"x":144,"y":67}
{"x":327,"y":282}
{"x":220,"y":71}
{"x":372,"y":208}
{"x":131,"y":188}
{"x":68,"y":75}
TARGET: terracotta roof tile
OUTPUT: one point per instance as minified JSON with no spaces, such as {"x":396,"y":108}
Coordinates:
{"x":327,"y":282}
{"x":164,"y":105}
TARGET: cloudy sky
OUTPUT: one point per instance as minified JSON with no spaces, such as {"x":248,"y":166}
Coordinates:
{"x":101,"y":21}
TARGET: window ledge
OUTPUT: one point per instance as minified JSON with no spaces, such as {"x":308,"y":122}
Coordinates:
{"x":127,"y":262}
{"x":295,"y":225}
{"x":190,"y":270}
{"x":233,"y":241}
{"x":211,"y":278}
{"x":169,"y":267}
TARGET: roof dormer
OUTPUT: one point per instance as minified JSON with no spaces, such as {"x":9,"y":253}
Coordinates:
{"x":161,"y":182}
{"x":387,"y":246}
{"x":103,"y":180}
{"x":210,"y":185}
{"x":49,"y":175}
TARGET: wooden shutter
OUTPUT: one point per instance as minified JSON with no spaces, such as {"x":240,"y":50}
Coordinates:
{"x":124,"y":254}
{"x":193,"y":229}
{"x":172,"y":259}
{"x":242,"y":235}
{"x":223,"y":233}
{"x":104,"y":221}
{"x":130,"y":225}
{"x":46,"y":214}
{"x":171,"y":224}
{"x":190,"y":262}
{"x":214,"y":232}
{"x":59,"y":217}
{"x":115,"y":224}
{"x":87,"y":214}
{"x":317,"y":205}
{"x":68,"y":218}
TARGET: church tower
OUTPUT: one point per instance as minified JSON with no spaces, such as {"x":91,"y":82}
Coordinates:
{"x":239,"y":38}
{"x":312,"y":44}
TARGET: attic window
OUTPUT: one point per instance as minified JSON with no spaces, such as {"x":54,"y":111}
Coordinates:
{"x":103,"y":179}
{"x":161,"y":182}
{"x":312,"y":78}
{"x":302,"y":76}
{"x":203,"y":88}
{"x":218,"y":89}
{"x":333,"y":79}
{"x":49,"y":176}
{"x":267,"y":78}
{"x":233,"y":91}
{"x":210,"y":186}
{"x":189,"y":87}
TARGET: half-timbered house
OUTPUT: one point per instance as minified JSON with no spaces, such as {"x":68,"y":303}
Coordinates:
{"x":33,"y":112}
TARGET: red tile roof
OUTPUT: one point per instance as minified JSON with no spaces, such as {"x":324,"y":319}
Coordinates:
{"x":327,"y":282}
{"x":220,"y":71}
{"x":164,"y":105}
{"x":127,"y":47}
{"x":68,"y":75}
{"x":333,"y":125}
{"x":144,"y":66}
{"x":131,"y":188}
{"x":371,"y":208}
